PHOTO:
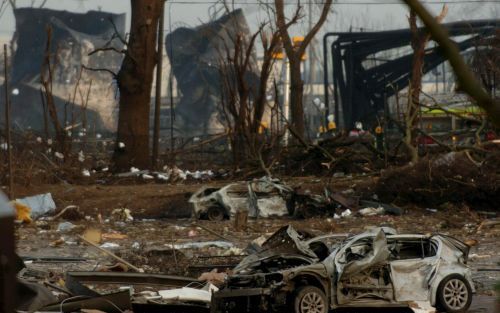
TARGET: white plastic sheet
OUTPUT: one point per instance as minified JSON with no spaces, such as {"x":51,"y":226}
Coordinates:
{"x":40,"y":204}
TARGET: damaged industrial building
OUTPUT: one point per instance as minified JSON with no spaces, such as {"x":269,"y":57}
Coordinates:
{"x":73,"y":38}
{"x":236,"y":156}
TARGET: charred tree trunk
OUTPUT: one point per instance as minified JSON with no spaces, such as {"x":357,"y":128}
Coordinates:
{"x":419,"y":40}
{"x":296,"y":97}
{"x":46,"y":79}
{"x":418,"y":44}
{"x":134,"y":82}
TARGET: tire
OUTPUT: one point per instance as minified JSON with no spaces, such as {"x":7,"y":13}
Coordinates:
{"x":310,"y":299}
{"x":216,"y":213}
{"x":310,"y":211}
{"x":454,"y":294}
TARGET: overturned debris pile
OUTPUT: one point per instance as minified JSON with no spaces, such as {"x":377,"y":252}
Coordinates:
{"x":339,"y":154}
{"x":456,"y":177}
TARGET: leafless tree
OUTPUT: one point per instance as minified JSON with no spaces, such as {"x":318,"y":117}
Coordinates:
{"x":46,"y":79}
{"x":295,"y":54}
{"x":244,"y":103}
{"x":419,"y":41}
{"x":485,"y":64}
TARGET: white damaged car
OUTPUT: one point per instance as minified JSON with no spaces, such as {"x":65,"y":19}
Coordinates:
{"x":378,"y":268}
{"x":264,"y":197}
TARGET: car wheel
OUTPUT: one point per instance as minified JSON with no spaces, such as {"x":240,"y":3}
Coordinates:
{"x":310,"y":299}
{"x":215,"y":213}
{"x":310,"y":211}
{"x":454,"y":294}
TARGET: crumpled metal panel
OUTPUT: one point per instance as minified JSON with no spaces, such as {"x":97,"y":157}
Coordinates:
{"x":378,"y":254}
{"x":285,"y":243}
{"x":411,"y":278}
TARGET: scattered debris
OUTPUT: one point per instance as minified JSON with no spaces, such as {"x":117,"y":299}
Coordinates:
{"x":57,"y":242}
{"x":371,"y":211}
{"x":113,"y":236}
{"x":346,"y":213}
{"x":213,"y":277}
{"x":123,"y":215}
{"x":168,"y":175}
{"x":71,"y":212}
{"x":93,"y":235}
{"x":380,"y":208}
{"x":23,"y":212}
{"x":110,"y":246}
{"x":188,"y":294}
{"x":111,"y":254}
{"x":65,"y":227}
{"x":200,"y":245}
{"x":449,"y":178}
{"x":488,"y":224}
{"x":40,"y":204}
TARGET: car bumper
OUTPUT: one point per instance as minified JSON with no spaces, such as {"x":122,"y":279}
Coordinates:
{"x":241,"y":300}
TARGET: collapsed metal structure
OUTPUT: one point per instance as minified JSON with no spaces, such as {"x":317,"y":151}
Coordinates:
{"x":360,"y":91}
{"x":196,"y":55}
{"x":74,"y":36}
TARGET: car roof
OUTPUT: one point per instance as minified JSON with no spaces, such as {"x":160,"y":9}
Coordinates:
{"x":409,"y":236}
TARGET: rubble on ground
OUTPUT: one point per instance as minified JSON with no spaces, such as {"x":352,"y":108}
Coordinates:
{"x":188,"y":252}
{"x":455,"y":177}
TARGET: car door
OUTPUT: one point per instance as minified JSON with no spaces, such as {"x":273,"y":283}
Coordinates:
{"x":357,"y":263}
{"x":413,"y":261}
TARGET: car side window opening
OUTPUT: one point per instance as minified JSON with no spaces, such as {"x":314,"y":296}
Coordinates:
{"x":320,"y":249}
{"x":406,"y":249}
{"x":209,"y":191}
{"x":358,"y":250}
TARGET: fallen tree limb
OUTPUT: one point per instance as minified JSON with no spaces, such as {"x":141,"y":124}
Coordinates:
{"x":212,"y":232}
{"x":114,"y":256}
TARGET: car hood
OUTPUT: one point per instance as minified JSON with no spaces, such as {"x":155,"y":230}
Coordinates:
{"x":284,"y":249}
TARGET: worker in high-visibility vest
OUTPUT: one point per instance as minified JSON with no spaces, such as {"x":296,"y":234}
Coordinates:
{"x":263,"y":127}
{"x":379,"y":138}
{"x":332,"y":126}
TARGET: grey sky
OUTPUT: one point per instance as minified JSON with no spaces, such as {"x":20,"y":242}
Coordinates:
{"x":367,"y":14}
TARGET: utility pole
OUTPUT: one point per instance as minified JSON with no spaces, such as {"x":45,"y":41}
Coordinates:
{"x":286,"y":99}
{"x":7,"y":125}
{"x":159,"y":68}
{"x":311,"y":49}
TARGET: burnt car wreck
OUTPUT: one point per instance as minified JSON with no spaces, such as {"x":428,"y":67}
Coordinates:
{"x":267,"y":197}
{"x":261,"y":198}
{"x":378,"y":268}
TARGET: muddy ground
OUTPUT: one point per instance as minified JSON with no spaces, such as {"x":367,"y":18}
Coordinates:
{"x":147,"y":241}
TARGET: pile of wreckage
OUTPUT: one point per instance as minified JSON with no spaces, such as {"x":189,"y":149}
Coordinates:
{"x":268,"y":197}
{"x":287,"y":269}
{"x":290,"y":269}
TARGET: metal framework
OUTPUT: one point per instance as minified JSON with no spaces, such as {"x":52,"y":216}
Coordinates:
{"x":362,"y":90}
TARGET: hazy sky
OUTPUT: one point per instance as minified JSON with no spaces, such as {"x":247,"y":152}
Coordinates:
{"x":367,"y":14}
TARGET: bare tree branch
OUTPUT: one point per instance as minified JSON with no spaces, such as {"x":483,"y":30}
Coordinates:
{"x":107,"y":49}
{"x":117,"y":33}
{"x":100,"y":70}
